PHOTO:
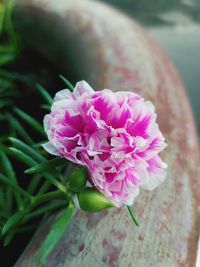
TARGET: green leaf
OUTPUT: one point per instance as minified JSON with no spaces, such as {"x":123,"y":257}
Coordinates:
{"x":12,"y":221}
{"x":6,"y":74}
{"x":8,"y":169}
{"x":30,"y":120}
{"x":3,"y":138}
{"x":9,"y":198}
{"x":7,"y":166}
{"x":45,"y":209}
{"x":9,"y":182}
{"x":7,"y":28}
{"x":70,"y":86}
{"x":54,"y":181}
{"x":2,"y":16}
{"x":6,"y":58}
{"x":3,"y":214}
{"x":56,"y":232}
{"x":3,"y":117}
{"x":34,"y":183}
{"x":46,"y":174}
{"x":46,"y":107}
{"x":19,"y":155}
{"x":27,"y":149}
{"x":4,"y":102}
{"x":2,"y":200}
{"x":20,"y":130}
{"x":133,"y":216}
{"x":39,"y":145}
{"x":5,"y":149}
{"x":12,"y":130}
{"x":50,"y":178}
{"x":44,"y":188}
{"x":44,"y":94}
{"x":47,"y":165}
{"x":7,"y":89}
{"x":50,"y":196}
{"x":8,"y":238}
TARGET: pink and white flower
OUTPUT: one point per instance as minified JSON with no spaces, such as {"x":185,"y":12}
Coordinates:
{"x":114,"y":134}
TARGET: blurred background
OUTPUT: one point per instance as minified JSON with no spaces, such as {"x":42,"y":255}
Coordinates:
{"x":175,"y":24}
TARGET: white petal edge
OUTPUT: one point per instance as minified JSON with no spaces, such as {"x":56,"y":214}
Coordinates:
{"x":154,"y":181}
{"x":51,"y":149}
{"x":63,"y":104}
{"x":46,"y":123}
{"x":150,"y":106}
{"x":81,"y":88}
{"x":63,"y":94}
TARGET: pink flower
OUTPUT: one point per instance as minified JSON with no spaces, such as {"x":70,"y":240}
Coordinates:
{"x":114,"y":134}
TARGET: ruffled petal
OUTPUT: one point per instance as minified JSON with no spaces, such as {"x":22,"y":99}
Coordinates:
{"x":157,"y":173}
{"x":114,"y":134}
{"x":51,"y":149}
{"x":81,"y":88}
{"x":63,"y":94}
{"x":46,"y":122}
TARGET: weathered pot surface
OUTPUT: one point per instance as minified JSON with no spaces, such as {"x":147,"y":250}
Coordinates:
{"x":104,"y":47}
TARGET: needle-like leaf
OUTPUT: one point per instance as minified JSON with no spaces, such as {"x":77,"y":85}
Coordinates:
{"x":34,"y":183}
{"x":55,"y":234}
{"x":8,"y":169}
{"x":12,"y":221}
{"x":30,"y":162}
{"x":70,"y":86}
{"x":45,"y":209}
{"x":8,"y":238}
{"x":44,"y":94}
{"x":30,"y":120}
{"x":27,"y":149}
{"x":47,"y":165}
{"x":20,"y":130}
{"x":7,"y":181}
{"x":19,"y":155}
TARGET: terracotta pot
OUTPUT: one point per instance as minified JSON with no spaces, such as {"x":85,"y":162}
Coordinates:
{"x":106,"y":48}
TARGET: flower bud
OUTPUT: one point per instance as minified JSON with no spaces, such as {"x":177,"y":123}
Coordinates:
{"x":91,"y":200}
{"x":77,"y":179}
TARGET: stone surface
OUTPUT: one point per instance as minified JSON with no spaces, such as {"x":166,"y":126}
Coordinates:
{"x":104,"y":47}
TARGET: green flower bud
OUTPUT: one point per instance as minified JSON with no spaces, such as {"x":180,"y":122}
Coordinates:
{"x":91,"y":200}
{"x":77,"y":179}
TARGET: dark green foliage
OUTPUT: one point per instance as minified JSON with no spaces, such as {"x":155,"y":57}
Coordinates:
{"x":9,"y":50}
{"x":31,"y":184}
{"x":21,"y":202}
{"x":45,"y":94}
{"x":55,"y":234}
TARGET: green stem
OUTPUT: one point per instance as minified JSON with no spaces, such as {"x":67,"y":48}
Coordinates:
{"x":44,"y":210}
{"x":44,"y":188}
{"x":54,"y":181}
{"x":34,"y":184}
{"x":133,"y":215}
{"x":36,"y":201}
{"x":56,"y":195}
